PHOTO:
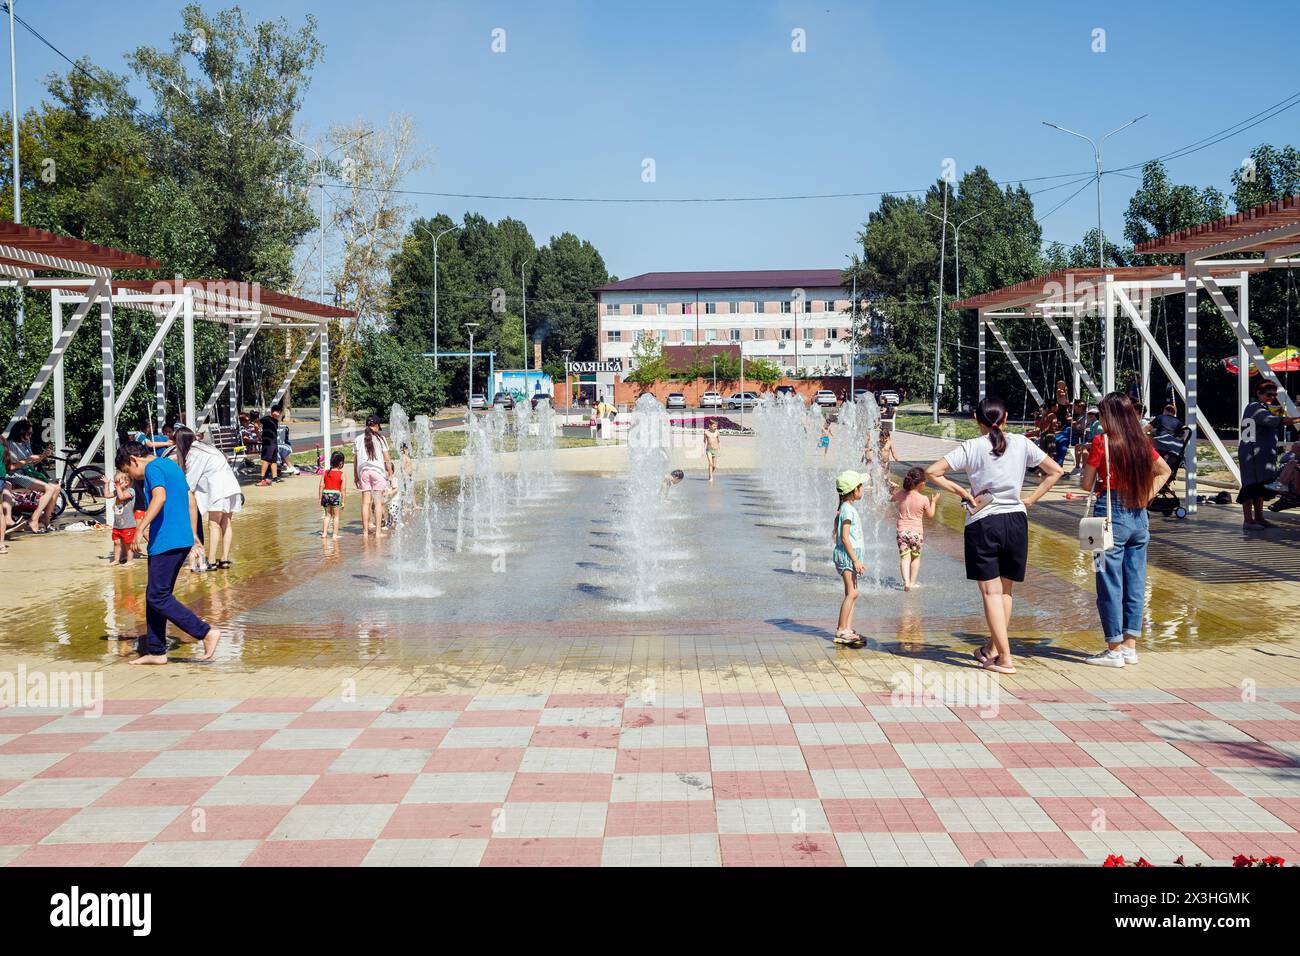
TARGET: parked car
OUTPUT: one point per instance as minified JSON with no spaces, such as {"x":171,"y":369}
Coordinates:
{"x":504,"y":399}
{"x":711,"y":400}
{"x":786,"y":391}
{"x":860,"y":393}
{"x":478,"y":402}
{"x":887,"y":396}
{"x":826,"y":398}
{"x":675,"y":400}
{"x":742,"y":400}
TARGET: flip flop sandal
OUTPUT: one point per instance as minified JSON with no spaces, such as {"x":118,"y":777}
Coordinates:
{"x":848,"y":639}
{"x":998,"y":668}
{"x":981,"y":655}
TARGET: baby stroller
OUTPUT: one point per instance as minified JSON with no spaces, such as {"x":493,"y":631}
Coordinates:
{"x":1174,"y":451}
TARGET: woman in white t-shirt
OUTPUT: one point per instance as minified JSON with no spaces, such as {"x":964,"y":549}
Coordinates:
{"x":371,"y":468}
{"x":216,"y":492}
{"x":997,"y":524}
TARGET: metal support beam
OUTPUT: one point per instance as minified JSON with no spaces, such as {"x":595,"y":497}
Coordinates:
{"x":55,"y":357}
{"x":1015,"y":362}
{"x":137,"y":374}
{"x":1108,"y":315}
{"x":1080,"y":373}
{"x":60,"y":416}
{"x":1242,"y":331}
{"x":1195,"y":417}
{"x":187,"y":306}
{"x":297,"y":364}
{"x":983,"y":360}
{"x":1191,"y":388}
{"x":324,"y":337}
{"x":109,"y":427}
{"x":1075,"y":340}
{"x":227,"y":377}
{"x":160,"y":377}
{"x":231,"y":347}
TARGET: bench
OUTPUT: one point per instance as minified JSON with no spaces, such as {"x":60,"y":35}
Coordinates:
{"x":226,"y":440}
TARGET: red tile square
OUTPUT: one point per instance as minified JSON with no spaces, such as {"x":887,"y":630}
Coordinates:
{"x":561,"y":788}
{"x":752,"y":735}
{"x":780,"y":849}
{"x":551,"y":851}
{"x":851,"y":756}
{"x":284,"y":762}
{"x":1120,"y":814}
{"x":1021,"y":755}
{"x":972,"y":782}
{"x":21,"y":826}
{"x":660,"y":716}
{"x":652,"y":818}
{"x":1107,"y":730}
{"x":440,"y":821}
{"x":223,"y":823}
{"x":663,"y":760}
{"x":293,"y":853}
{"x":470,"y":759}
{"x":1003,"y":711}
{"x":333,"y":719}
{"x":400,"y":738}
{"x":107,"y":764}
{"x":77,"y":854}
{"x":157,"y":792}
{"x":170,"y":722}
{"x":49,"y":743}
{"x":885,"y":815}
{"x":26,"y":723}
{"x":763,"y":785}
{"x":575,"y":737}
{"x":349,"y":788}
{"x":1172,"y":782}
{"x":918,"y":732}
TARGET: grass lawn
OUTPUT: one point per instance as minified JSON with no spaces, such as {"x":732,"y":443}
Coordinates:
{"x":958,"y":429}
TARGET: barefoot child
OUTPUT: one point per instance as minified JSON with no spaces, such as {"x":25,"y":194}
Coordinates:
{"x":123,"y":510}
{"x":712,"y":444}
{"x":331,"y":494}
{"x":825,"y":441}
{"x":913,"y":508}
{"x":167,"y":514}
{"x":848,"y":553}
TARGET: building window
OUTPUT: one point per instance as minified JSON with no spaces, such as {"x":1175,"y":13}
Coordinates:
{"x":710,"y":308}
{"x":662,"y":335}
{"x":688,"y":335}
{"x":785,"y":307}
{"x":638,"y":308}
{"x":832,"y":333}
{"x":787,"y":335}
{"x":613,"y":335}
{"x":758,"y":334}
{"x":735,"y":335}
{"x":611,"y":309}
{"x":757,"y":307}
{"x":688,"y":308}
{"x":712,"y":335}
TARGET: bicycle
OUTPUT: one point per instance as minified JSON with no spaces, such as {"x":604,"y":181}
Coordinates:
{"x":82,"y":486}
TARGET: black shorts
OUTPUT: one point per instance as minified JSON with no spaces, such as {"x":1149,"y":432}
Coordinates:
{"x":997,"y":547}
{"x":270,"y":452}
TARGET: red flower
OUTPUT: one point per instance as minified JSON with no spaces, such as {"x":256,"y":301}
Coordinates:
{"x":1179,"y":862}
{"x":1114,"y":860}
{"x":1272,"y":861}
{"x":1241,"y":860}
{"x":1142,"y":862}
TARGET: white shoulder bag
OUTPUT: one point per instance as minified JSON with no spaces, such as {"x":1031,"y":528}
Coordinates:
{"x":1096,"y":534}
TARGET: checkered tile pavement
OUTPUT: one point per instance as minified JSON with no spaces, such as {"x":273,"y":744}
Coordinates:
{"x":796,"y":779}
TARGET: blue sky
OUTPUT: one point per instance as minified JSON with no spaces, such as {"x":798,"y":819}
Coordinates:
{"x":713,"y":93}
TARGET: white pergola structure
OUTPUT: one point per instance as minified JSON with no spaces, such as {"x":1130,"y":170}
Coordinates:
{"x":1267,"y":237}
{"x":244,"y":308}
{"x":1126,"y":293}
{"x":33,"y":258}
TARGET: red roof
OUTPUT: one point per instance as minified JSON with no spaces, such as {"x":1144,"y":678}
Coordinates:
{"x":784,"y":279}
{"x":1266,"y":218}
{"x":1067,"y":285}
{"x":30,"y":239}
{"x":231,"y":294}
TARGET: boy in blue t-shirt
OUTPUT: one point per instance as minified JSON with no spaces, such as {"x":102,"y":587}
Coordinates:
{"x":170,"y":522}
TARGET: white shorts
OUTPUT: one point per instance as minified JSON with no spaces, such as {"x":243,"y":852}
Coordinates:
{"x":231,"y":504}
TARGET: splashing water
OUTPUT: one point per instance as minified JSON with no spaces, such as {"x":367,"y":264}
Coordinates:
{"x":643,"y":507}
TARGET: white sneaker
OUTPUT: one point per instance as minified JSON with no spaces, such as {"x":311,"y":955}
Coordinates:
{"x":1107,"y":658}
{"x":1130,"y":654}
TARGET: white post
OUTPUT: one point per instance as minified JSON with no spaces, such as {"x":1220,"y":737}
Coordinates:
{"x":979,"y":338}
{"x":106,"y":357}
{"x":60,"y":413}
{"x":1146,"y":357}
{"x":1243,"y":357}
{"x":325,"y":390}
{"x":1108,"y":368}
{"x":17,"y":172}
{"x":1074,"y":336}
{"x":231,"y":346}
{"x":159,"y":381}
{"x":191,"y":411}
{"x":1190,"y":386}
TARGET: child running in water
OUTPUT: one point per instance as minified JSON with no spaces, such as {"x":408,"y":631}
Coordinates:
{"x":331,"y":495}
{"x":825,"y":441}
{"x":848,"y":553}
{"x":913,"y":508}
{"x":712,"y":443}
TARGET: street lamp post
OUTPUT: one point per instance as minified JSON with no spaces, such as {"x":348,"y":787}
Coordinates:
{"x":938,"y":311}
{"x":469,"y":395}
{"x":568,"y":389}
{"x":435,"y":285}
{"x":523,"y":293}
{"x":957,"y":255}
{"x":715,"y":370}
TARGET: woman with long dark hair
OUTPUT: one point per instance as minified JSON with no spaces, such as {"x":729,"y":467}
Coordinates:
{"x":21,"y":464}
{"x":997,"y":524}
{"x":216,"y":493}
{"x":1124,"y":468}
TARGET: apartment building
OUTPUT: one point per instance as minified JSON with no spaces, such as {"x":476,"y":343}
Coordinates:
{"x":798,"y":318}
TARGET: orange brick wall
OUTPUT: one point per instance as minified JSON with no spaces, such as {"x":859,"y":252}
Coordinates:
{"x":629,"y":392}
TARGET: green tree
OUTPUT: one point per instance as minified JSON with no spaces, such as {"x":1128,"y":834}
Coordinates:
{"x":387,"y":370}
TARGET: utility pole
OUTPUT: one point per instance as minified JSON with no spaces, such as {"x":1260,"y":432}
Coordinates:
{"x":18,"y":194}
{"x":853,"y":340}
{"x":523,"y":291}
{"x":435,"y":285}
{"x":469,"y":396}
{"x":957,"y":251}
{"x":938,"y":313}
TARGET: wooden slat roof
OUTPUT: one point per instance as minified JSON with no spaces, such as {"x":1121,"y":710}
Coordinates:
{"x":1266,"y":218}
{"x":228,"y":294}
{"x":31,"y":239}
{"x":1069,"y":285}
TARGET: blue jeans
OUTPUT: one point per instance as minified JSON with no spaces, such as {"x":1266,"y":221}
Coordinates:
{"x":161,"y":605}
{"x":1122,"y":575}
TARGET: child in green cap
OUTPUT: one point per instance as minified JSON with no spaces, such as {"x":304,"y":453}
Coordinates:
{"x":848,"y":553}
